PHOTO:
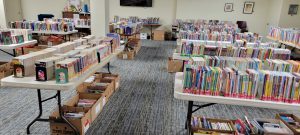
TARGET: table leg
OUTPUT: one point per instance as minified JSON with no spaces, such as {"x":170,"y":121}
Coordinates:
{"x":189,"y":117}
{"x":69,"y":37}
{"x":22,"y":50}
{"x":40,"y":111}
{"x":108,"y":67}
{"x":151,"y":36}
{"x":14,"y":53}
{"x":62,"y":115}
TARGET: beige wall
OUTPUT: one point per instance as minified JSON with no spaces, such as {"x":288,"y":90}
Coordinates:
{"x":288,"y":21}
{"x":165,"y":9}
{"x":274,"y":12}
{"x":214,"y":9}
{"x":2,"y":14}
{"x":13,"y":10}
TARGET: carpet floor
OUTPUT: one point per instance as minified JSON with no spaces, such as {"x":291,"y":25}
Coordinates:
{"x":144,"y":104}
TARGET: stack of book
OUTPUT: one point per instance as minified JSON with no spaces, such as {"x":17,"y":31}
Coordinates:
{"x":151,"y":20}
{"x":206,"y":35}
{"x":285,"y":35}
{"x":199,"y":49}
{"x":48,"y":25}
{"x":250,"y":84}
{"x":14,"y":36}
{"x":127,"y":28}
{"x":249,"y":37}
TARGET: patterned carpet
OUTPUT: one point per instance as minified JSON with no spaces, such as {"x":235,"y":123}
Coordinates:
{"x":143,"y":105}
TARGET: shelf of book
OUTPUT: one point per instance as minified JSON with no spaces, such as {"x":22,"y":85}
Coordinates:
{"x":177,"y":56}
{"x":31,"y":83}
{"x":283,"y":42}
{"x":15,"y":46}
{"x":178,"y":94}
{"x":55,"y":32}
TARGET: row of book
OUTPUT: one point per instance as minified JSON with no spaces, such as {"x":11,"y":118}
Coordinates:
{"x":53,"y":26}
{"x":14,"y":36}
{"x":199,"y":22}
{"x":82,"y":23}
{"x":250,"y":84}
{"x":249,"y":37}
{"x":206,"y":35}
{"x":195,"y":49}
{"x":65,"y":61}
{"x":135,"y":19}
{"x":283,"y":124}
{"x":150,"y":20}
{"x":125,"y":28}
{"x":242,"y":64}
{"x":284,"y":34}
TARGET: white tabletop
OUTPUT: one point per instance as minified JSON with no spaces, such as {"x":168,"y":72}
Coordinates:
{"x":29,"y":82}
{"x":82,"y":27}
{"x":177,"y":56}
{"x":14,"y":46}
{"x":178,"y":94}
{"x":55,"y":32}
{"x":283,"y":42}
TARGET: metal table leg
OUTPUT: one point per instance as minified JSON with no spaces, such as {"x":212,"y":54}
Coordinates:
{"x":108,"y":67}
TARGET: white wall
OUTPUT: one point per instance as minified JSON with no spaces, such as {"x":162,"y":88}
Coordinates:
{"x":214,"y":9}
{"x":288,"y":21}
{"x":99,"y":17}
{"x":13,"y":10}
{"x":274,"y":12}
{"x":2,"y":14}
{"x":165,"y":9}
{"x":31,"y":8}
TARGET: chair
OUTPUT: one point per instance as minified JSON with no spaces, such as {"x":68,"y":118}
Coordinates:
{"x":42,"y":16}
{"x":243,"y":26}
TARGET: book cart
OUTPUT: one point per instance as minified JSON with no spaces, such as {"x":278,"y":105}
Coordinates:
{"x":15,"y":46}
{"x":31,"y":83}
{"x":212,"y":100}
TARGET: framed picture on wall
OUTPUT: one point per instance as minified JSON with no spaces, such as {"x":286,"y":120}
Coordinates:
{"x":228,"y":7}
{"x":293,"y":10}
{"x":248,"y":7}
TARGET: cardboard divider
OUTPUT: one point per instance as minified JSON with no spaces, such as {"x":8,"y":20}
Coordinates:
{"x":174,"y":65}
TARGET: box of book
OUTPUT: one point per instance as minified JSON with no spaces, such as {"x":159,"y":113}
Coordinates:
{"x":159,"y":35}
{"x":6,"y":69}
{"x":271,"y":127}
{"x":114,"y":77}
{"x":89,"y":101}
{"x":174,"y":65}
{"x":203,"y":124}
{"x":290,"y":120}
{"x":138,"y":47}
{"x":102,"y":86}
{"x":126,"y":55}
{"x":79,"y":117}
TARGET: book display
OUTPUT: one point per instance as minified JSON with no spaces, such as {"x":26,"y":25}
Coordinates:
{"x":15,"y":36}
{"x":125,"y":28}
{"x":49,"y":25}
{"x":285,"y":35}
{"x":249,"y":37}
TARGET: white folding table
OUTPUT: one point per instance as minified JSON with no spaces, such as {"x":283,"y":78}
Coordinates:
{"x":211,"y":100}
{"x":15,"y":46}
{"x":31,"y":83}
{"x":69,"y":33}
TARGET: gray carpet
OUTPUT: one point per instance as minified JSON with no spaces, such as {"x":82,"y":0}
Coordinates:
{"x":144,"y":103}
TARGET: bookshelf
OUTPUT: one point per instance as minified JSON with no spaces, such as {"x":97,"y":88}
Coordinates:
{"x":15,"y":46}
{"x":283,"y":42}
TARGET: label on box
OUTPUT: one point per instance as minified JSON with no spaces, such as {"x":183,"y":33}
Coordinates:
{"x":86,"y":126}
{"x":125,"y":56}
{"x":117,"y":84}
{"x":98,"y":107}
{"x":50,"y":43}
{"x":103,"y":101}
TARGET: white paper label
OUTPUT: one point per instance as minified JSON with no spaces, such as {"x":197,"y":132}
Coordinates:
{"x":86,"y":127}
{"x":117,"y":84}
{"x":98,"y":108}
{"x":125,"y":56}
{"x":104,"y":101}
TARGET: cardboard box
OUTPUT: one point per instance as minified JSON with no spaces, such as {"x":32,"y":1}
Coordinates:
{"x":175,"y":65}
{"x":114,"y":77}
{"x":159,"y":35}
{"x":6,"y":69}
{"x":82,"y":124}
{"x":34,"y":49}
{"x":83,"y":89}
{"x":128,"y":55}
{"x":95,"y":109}
{"x":107,"y":91}
{"x":138,"y":47}
{"x":275,"y":121}
{"x":197,"y":129}
{"x":291,"y":127}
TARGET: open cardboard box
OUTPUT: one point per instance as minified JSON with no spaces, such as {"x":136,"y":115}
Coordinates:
{"x":114,"y":77}
{"x":274,"y":121}
{"x":214,"y":131}
{"x":292,"y":127}
{"x":95,"y":109}
{"x":82,"y":124}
